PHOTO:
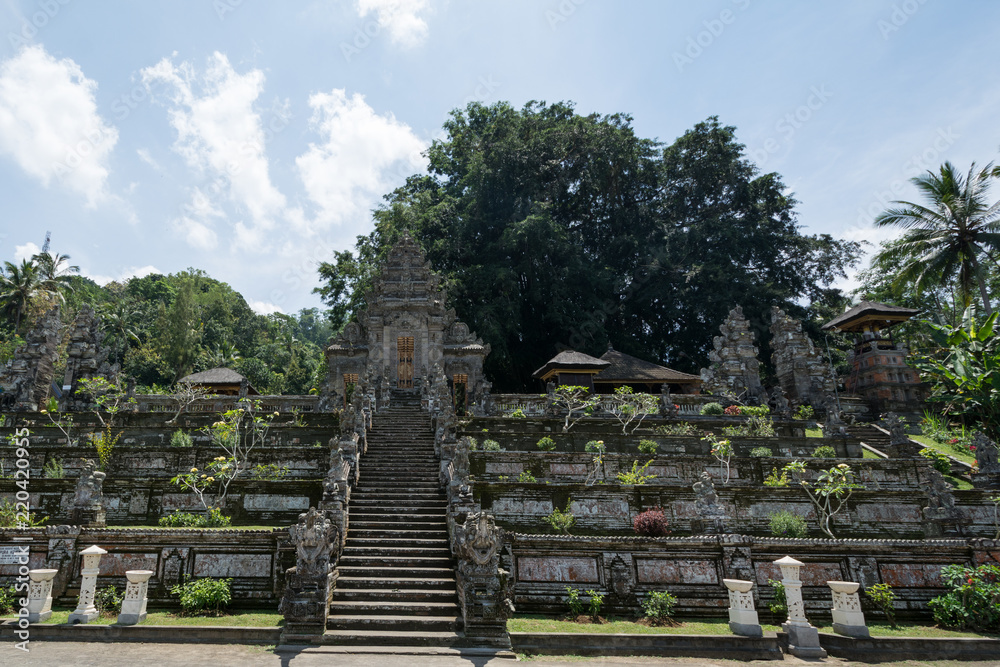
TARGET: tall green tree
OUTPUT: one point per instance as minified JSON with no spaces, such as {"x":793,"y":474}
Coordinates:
{"x":55,"y":272}
{"x":180,"y":331}
{"x":954,"y":236}
{"x":19,"y":286}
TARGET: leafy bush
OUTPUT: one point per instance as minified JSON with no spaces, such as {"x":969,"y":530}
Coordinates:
{"x":648,"y":446}
{"x":105,"y":444}
{"x":755,"y":410}
{"x":651,"y":523}
{"x":636,"y":476}
{"x":761,"y":452}
{"x":733,"y":411}
{"x":546,"y":444}
{"x":8,"y":600}
{"x":203,"y":595}
{"x":517,"y":413}
{"x":939,"y":460}
{"x":491,"y":446}
{"x":755,"y":427}
{"x":974,"y":599}
{"x":882,"y":596}
{"x":712,"y":409}
{"x":680,"y":428}
{"x":777,"y":478}
{"x":268,"y":472}
{"x":804,"y":413}
{"x":786,"y":524}
{"x":108,"y":601}
{"x":53,"y":469}
{"x":561,"y":520}
{"x":596,"y":601}
{"x":659,"y":605}
{"x":526,"y":477}
{"x":824,"y":452}
{"x":9,"y":518}
{"x":473,"y":443}
{"x":181,"y":438}
{"x":576,"y":605}
{"x":177,"y":519}
{"x":778,"y":605}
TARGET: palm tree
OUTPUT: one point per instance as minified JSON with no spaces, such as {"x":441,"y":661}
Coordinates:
{"x":118,"y":320}
{"x":19,"y":285}
{"x":54,"y":272}
{"x":949,"y":237}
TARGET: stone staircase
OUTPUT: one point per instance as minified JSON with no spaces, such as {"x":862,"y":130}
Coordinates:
{"x":396,"y":577}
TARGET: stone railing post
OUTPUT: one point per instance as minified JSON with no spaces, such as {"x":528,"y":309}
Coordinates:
{"x":85,"y":610}
{"x":134,"y":605}
{"x":803,"y":638}
{"x":482,"y":586}
{"x":848,"y":619}
{"x":306,"y":603}
{"x":40,"y":595}
{"x":742,"y":612}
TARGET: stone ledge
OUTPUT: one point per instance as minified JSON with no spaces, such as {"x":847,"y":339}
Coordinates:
{"x":175,"y":634}
{"x":891,"y":649}
{"x":684,"y":646}
{"x":738,"y":538}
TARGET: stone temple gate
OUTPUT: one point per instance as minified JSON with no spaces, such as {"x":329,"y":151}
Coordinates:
{"x":405,"y":333}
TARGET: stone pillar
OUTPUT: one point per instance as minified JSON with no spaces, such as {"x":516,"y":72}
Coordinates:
{"x":134,"y":605}
{"x":742,"y":612}
{"x":482,"y":585}
{"x":85,"y":610}
{"x":848,"y":619}
{"x":40,"y":595}
{"x":803,"y":638}
{"x":306,"y":603}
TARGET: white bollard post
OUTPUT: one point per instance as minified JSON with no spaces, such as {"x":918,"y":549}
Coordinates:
{"x":85,"y":610}
{"x":803,"y":639}
{"x":134,"y":605}
{"x":40,"y":595}
{"x":848,"y":619}
{"x":742,"y":613}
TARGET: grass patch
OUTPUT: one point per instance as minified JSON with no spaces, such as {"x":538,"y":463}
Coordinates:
{"x":916,"y":630}
{"x":244,"y":619}
{"x":814,"y":433}
{"x":535,"y":623}
{"x":186,"y":528}
{"x":964,"y":457}
{"x":865,"y":454}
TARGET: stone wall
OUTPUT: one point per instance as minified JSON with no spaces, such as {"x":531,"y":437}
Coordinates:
{"x":692,"y":568}
{"x":255,"y":559}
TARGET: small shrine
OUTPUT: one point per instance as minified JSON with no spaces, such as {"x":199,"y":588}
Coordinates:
{"x":571,"y":368}
{"x":642,"y":376}
{"x":220,"y":381}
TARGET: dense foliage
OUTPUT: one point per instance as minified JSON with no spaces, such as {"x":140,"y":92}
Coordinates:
{"x":973,"y":601}
{"x":585,"y":234}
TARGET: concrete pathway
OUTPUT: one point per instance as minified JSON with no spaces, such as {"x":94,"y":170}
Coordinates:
{"x":72,"y":654}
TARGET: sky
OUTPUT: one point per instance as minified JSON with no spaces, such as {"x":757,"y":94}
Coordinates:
{"x":252,"y":139}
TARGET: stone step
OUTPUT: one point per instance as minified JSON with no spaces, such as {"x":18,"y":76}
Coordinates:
{"x":376,"y":572}
{"x":380,"y":595}
{"x":402,"y":583}
{"x":394,"y":638}
{"x":402,"y":507}
{"x":354,"y":551}
{"x":389,"y":608}
{"x":372,"y":542}
{"x":408,"y":564}
{"x":370,"y":517}
{"x":396,"y":496}
{"x":365,"y":534}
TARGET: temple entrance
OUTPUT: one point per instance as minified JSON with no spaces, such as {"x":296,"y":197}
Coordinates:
{"x":404,"y":357}
{"x":460,"y":386}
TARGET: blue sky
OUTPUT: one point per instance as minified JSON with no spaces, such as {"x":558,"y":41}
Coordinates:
{"x":251,"y":139}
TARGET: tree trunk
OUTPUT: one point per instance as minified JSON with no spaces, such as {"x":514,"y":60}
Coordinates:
{"x":985,"y":295}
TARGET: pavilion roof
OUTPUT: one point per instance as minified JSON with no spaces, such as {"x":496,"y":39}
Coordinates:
{"x":626,"y":368}
{"x":870,"y":311}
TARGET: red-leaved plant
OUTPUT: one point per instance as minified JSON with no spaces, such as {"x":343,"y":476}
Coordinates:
{"x":651,"y":523}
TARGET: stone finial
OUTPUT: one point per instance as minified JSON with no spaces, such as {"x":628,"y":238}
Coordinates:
{"x":848,"y":619}
{"x":799,"y":367}
{"x":897,"y":429}
{"x":40,"y":595}
{"x":134,"y":604}
{"x":88,"y":499}
{"x":743,"y":618}
{"x":735,"y":369}
{"x":710,"y":511}
{"x":85,"y":610}
{"x":803,"y":638}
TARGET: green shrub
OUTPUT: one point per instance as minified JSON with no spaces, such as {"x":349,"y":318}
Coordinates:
{"x":54,"y":469}
{"x":804,"y":413}
{"x":761,"y":452}
{"x":712,"y":409}
{"x":9,"y":517}
{"x":973,"y":602}
{"x":939,"y":460}
{"x":526,"y":477}
{"x":108,"y":601}
{"x":546,"y":444}
{"x":824,"y":452}
{"x":778,"y":605}
{"x":883,"y":597}
{"x":755,"y":410}
{"x":786,"y":524}
{"x":203,"y":595}
{"x":268,"y":472}
{"x":177,"y":519}
{"x":8,"y":600}
{"x":680,"y":428}
{"x":561,"y":520}
{"x":181,"y":438}
{"x":596,"y":601}
{"x":636,"y":476}
{"x":576,"y":605}
{"x":491,"y":446}
{"x":659,"y":605}
{"x":648,"y":447}
{"x":473,"y":444}
{"x":517,"y":413}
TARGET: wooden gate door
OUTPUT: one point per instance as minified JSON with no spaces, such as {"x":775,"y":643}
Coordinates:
{"x":404,"y":356}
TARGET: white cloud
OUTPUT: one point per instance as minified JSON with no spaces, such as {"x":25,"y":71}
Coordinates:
{"x":264,"y":307}
{"x":49,"y":123}
{"x":195,"y":223}
{"x":144,"y":155}
{"x":399,"y":18}
{"x":346,"y":173}
{"x":220,"y":134}
{"x":26,"y":251}
{"x":123,"y":275}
